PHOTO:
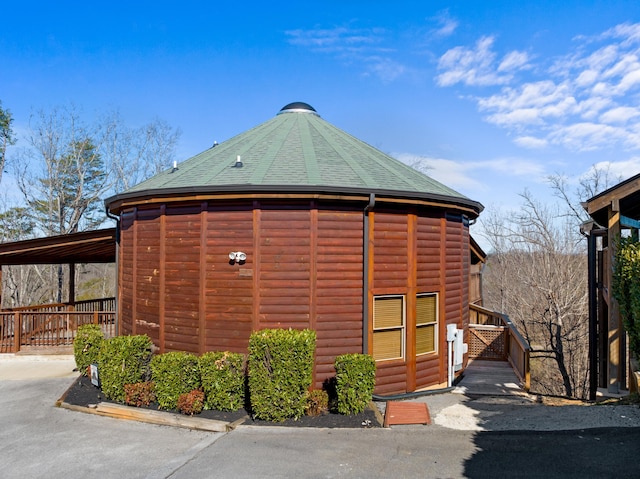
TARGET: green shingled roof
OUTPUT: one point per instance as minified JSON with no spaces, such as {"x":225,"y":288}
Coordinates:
{"x":296,"y":150}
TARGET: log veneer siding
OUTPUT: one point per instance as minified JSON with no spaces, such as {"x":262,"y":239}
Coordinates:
{"x":304,"y":269}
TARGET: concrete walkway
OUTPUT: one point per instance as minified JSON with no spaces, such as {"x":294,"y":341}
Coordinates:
{"x":490,"y":378}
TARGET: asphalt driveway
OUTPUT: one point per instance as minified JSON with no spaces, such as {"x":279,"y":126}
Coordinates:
{"x":482,"y":437}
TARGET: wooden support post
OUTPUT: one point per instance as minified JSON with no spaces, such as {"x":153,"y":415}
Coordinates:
{"x":72,"y":284}
{"x":615,"y":330}
{"x":17,"y":331}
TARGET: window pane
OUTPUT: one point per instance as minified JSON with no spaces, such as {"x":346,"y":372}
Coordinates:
{"x":426,"y":309}
{"x":387,"y":313}
{"x":425,"y":339}
{"x":387,"y":344}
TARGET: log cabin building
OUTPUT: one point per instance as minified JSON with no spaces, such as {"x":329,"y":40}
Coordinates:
{"x":297,"y":224}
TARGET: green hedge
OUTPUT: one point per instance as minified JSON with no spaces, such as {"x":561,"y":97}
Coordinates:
{"x":223,"y":380}
{"x":355,"y":381}
{"x":626,"y":288}
{"x":86,"y":346}
{"x":280,"y":372}
{"x":174,"y":373}
{"x":123,"y":360}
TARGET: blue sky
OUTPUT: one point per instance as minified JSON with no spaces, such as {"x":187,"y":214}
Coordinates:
{"x":491,"y":96}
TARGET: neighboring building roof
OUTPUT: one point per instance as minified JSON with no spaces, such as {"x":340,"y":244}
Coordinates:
{"x":296,"y":151}
{"x":477,"y":253}
{"x":624,"y":197}
{"x":98,"y":246}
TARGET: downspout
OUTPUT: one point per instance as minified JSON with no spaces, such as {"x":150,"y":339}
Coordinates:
{"x":117,"y":220}
{"x":365,"y":275}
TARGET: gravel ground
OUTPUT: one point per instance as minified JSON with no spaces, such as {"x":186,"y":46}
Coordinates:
{"x":494,"y":413}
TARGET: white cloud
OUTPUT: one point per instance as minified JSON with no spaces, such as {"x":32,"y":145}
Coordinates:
{"x":513,"y":61}
{"x":446,"y":25}
{"x":531,"y":142}
{"x":463,"y":175}
{"x":385,"y":68}
{"x":471,"y":66}
{"x":363,"y":47}
{"x":620,"y":114}
{"x":615,"y":171}
{"x":583,"y":101}
{"x":332,"y":38}
{"x":586,"y":136}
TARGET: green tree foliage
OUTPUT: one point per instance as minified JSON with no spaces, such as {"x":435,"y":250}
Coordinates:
{"x":64,"y":171}
{"x":626,"y":287}
{"x":70,"y":192}
{"x":16,"y":224}
{"x":6,"y":136}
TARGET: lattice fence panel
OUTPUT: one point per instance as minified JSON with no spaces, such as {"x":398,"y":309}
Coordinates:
{"x":487,"y":343}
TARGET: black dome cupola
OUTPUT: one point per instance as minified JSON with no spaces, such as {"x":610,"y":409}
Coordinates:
{"x":298,"y":107}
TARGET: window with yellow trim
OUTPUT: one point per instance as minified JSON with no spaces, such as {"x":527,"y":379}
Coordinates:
{"x":388,"y":327}
{"x":426,"y":323}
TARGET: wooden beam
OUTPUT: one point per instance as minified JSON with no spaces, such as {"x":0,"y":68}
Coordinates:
{"x":619,"y":192}
{"x":412,"y":291}
{"x":614,"y":327}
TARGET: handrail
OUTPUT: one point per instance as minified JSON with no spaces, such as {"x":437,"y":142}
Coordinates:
{"x":75,"y":306}
{"x":46,"y":326}
{"x":518,"y":349}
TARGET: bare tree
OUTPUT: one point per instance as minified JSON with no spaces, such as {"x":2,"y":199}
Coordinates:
{"x":68,"y":166}
{"x":537,"y":275}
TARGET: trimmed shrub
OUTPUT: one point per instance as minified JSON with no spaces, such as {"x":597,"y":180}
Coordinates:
{"x":355,"y":381}
{"x":223,"y":380}
{"x":139,"y":394}
{"x":86,"y":346}
{"x":191,"y":403}
{"x":123,"y":360}
{"x":174,"y":373}
{"x":280,"y":372}
{"x":317,"y":403}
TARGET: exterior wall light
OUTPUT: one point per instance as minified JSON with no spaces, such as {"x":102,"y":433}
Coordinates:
{"x":237,"y":257}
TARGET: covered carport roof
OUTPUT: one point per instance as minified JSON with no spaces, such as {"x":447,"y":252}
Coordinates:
{"x":97,"y":246}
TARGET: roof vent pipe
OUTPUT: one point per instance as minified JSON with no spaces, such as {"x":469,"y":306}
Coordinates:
{"x":238,"y":163}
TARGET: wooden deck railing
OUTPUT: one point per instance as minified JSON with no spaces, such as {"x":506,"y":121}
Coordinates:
{"x":498,"y":338}
{"x":53,"y":325}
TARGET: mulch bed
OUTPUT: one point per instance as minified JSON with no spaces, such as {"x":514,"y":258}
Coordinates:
{"x":83,"y":393}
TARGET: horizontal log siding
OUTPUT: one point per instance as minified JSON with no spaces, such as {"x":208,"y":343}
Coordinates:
{"x":125,"y":280}
{"x":453,"y":273}
{"x":182,"y":277}
{"x":390,"y":254}
{"x":148,"y":274}
{"x":285,"y":282}
{"x":390,"y":276}
{"x":428,"y":244}
{"x":338,"y":289}
{"x":429,"y":280}
{"x":466,"y":270}
{"x":229,"y":287}
{"x":457,"y":275}
{"x":302,"y":260}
